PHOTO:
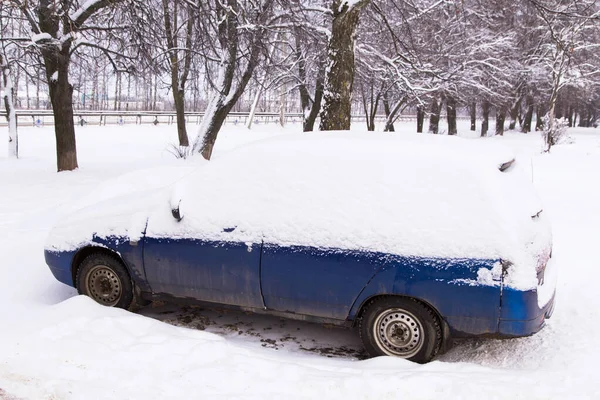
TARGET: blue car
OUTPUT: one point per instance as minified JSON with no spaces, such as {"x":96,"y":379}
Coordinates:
{"x":409,"y":239}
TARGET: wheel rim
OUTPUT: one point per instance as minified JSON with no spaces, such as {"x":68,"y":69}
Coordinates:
{"x":103,"y":285}
{"x":398,"y":333}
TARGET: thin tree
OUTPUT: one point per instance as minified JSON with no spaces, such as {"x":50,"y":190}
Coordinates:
{"x":179,"y":57}
{"x":235,"y":35}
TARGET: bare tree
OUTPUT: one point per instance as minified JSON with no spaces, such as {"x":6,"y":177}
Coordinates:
{"x":59,"y":28}
{"x":240,"y":28}
{"x":8,"y":56}
{"x":179,"y":21}
{"x":570,"y":26}
{"x":310,"y":32}
{"x":9,"y":105}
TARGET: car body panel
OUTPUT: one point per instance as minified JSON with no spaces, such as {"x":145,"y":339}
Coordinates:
{"x":448,"y":285}
{"x":312,"y":281}
{"x":521,"y":315}
{"x":131,"y":253}
{"x":218,"y":272}
{"x":60,"y":265}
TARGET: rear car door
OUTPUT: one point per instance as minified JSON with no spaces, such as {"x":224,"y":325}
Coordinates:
{"x":317,"y":282}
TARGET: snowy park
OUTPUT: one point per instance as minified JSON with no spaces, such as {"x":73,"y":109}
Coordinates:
{"x":299,"y":199}
{"x":57,"y":345}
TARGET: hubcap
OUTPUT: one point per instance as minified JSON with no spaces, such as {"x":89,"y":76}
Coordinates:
{"x":103,"y":285}
{"x":398,"y":333}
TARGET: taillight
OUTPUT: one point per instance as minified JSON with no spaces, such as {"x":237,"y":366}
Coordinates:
{"x":541,"y":265}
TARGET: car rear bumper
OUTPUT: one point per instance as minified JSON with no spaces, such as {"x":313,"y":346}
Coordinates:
{"x":524,"y":313}
{"x":516,"y":304}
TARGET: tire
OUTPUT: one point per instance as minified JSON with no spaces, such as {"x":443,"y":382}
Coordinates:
{"x":103,"y":278}
{"x":400,"y":327}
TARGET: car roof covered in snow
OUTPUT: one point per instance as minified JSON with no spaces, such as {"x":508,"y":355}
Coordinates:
{"x":406,"y":194}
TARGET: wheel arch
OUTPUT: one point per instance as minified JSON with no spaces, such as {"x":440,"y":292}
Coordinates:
{"x":86,"y":251}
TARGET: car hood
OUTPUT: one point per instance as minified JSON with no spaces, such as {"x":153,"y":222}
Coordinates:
{"x":116,"y":208}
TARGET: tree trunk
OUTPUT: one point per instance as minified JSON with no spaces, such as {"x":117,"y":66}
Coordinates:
{"x":9,"y":104}
{"x":155,"y":93}
{"x":37,"y":94}
{"x":590,"y":116}
{"x":366,"y":104}
{"x":104,"y":101}
{"x":593,"y":117}
{"x":485,"y":117}
{"x":309,"y":121}
{"x":282,"y":106}
{"x":570,"y":116}
{"x":528,"y":115}
{"x":451,"y":115}
{"x":337,"y":106}
{"x":389,"y":123}
{"x":253,"y":107}
{"x":177,"y":82}
{"x":473,"y":113}
{"x":370,"y":105}
{"x":500,"y":118}
{"x":434,"y":118}
{"x":180,"y":111}
{"x":420,"y":119}
{"x":116,"y":91}
{"x":583,"y":118}
{"x":56,"y":65}
{"x":514,"y":115}
{"x":386,"y":109}
{"x":28,"y":99}
{"x":213,"y":120}
{"x":61,"y":98}
{"x":540,"y":112}
{"x":120,"y":93}
{"x":559,"y":110}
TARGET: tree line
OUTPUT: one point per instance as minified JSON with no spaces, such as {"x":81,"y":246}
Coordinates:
{"x":508,"y":59}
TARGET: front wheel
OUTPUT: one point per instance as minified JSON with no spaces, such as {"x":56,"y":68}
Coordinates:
{"x":400,"y":327}
{"x":104,"y":278}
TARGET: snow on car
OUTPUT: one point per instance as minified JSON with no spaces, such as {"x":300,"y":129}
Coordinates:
{"x":412,"y":239}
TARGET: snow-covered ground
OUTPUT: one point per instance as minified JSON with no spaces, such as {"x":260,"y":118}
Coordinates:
{"x":56,"y":345}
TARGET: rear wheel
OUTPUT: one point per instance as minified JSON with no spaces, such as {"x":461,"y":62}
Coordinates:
{"x":400,"y":327}
{"x":104,"y":278}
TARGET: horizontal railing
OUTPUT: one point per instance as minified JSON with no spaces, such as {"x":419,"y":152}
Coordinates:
{"x":106,"y":117}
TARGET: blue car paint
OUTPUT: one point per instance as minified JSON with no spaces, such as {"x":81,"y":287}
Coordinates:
{"x":469,"y":309}
{"x":217,"y":272}
{"x":328,"y":283}
{"x":61,"y":263}
{"x":319,"y":282}
{"x":520,"y":314}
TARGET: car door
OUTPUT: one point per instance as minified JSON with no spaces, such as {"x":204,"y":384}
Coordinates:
{"x":181,"y":261}
{"x":316,"y":282}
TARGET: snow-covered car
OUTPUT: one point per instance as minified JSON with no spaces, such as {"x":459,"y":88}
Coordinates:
{"x":412,"y":239}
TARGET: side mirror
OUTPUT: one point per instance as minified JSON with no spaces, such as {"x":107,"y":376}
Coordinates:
{"x":175,"y":204}
{"x":176,"y":212}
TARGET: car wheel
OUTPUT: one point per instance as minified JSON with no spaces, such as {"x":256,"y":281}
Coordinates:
{"x":400,"y":327}
{"x":104,"y":278}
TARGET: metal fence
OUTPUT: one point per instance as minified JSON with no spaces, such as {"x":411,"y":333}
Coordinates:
{"x":86,"y":117}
